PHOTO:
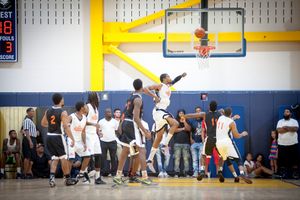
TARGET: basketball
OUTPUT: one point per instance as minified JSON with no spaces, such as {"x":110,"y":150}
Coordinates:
{"x":199,"y":32}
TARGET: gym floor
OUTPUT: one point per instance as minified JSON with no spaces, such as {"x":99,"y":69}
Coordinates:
{"x":171,"y":188}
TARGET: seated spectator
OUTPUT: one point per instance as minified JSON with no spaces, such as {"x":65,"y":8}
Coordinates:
{"x":254,"y":170}
{"x":182,"y":144}
{"x":11,"y":153}
{"x":41,"y":163}
{"x":76,"y":166}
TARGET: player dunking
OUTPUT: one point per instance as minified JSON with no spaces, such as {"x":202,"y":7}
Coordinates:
{"x":77,"y":123}
{"x":211,"y":118}
{"x":160,"y":115}
{"x":54,"y":118}
{"x":225,"y":144}
{"x":132,"y":135}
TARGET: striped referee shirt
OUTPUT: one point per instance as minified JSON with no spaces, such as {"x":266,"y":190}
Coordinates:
{"x":30,"y":126}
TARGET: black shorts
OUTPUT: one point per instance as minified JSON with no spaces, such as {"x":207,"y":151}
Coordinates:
{"x":131,"y":132}
{"x":27,"y":151}
{"x":56,"y":146}
{"x":209,"y":145}
{"x":288,"y":155}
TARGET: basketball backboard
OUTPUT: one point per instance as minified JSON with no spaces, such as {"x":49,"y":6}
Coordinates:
{"x":224,"y":29}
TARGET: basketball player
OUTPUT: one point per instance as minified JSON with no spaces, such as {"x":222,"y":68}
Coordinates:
{"x":225,"y":144}
{"x":54,"y":118}
{"x":211,"y":118}
{"x":132,"y":134}
{"x":77,"y":123}
{"x":161,"y":116}
{"x":92,"y":128}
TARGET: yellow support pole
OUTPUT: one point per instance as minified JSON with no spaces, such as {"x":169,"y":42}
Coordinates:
{"x":136,"y":65}
{"x":97,"y":79}
{"x":157,"y":15}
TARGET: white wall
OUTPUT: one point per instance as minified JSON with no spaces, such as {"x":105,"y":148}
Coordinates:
{"x":54,"y":48}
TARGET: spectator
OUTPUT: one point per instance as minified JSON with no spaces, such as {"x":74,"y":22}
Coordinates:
{"x":273,"y":150}
{"x":162,"y":169}
{"x":196,"y":143}
{"x":11,"y":153}
{"x":41,"y":163}
{"x":288,"y":143}
{"x":76,"y":166}
{"x":109,"y":127}
{"x":253,"y":170}
{"x":29,"y":143}
{"x":182,"y":143}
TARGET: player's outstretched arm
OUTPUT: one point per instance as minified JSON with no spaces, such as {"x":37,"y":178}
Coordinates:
{"x":178,"y":78}
{"x":235,"y":132}
{"x":195,"y":115}
{"x":155,"y":87}
{"x":44,"y":121}
{"x":136,"y":117}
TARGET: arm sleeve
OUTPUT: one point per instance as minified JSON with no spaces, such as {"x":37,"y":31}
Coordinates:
{"x":176,"y":79}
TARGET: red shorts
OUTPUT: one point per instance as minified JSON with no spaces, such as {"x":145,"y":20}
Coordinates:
{"x":216,"y":157}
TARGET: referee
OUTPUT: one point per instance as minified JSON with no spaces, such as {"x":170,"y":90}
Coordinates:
{"x":29,"y":143}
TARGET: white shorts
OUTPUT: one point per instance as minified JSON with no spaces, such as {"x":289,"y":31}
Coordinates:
{"x":251,"y":175}
{"x":227,"y":148}
{"x":160,"y":117}
{"x":93,"y":144}
{"x":78,"y":148}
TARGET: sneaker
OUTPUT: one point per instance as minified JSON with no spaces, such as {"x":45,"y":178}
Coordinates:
{"x":1,"y":176}
{"x":165,"y":150}
{"x":92,"y":173}
{"x":161,"y":175}
{"x":295,"y":175}
{"x":206,"y":176}
{"x":220,"y":176}
{"x":245,"y":178}
{"x":80,"y":175}
{"x":52,"y":181}
{"x":122,"y":175}
{"x":150,"y":165}
{"x":86,"y":178}
{"x":120,"y":182}
{"x":186,"y":175}
{"x":99,"y":181}
{"x":195,"y":174}
{"x":176,"y":175}
{"x":236,"y":179}
{"x":109,"y":175}
{"x":134,"y":179}
{"x":276,"y":176}
{"x":138,"y":173}
{"x":166,"y":175}
{"x":18,"y":176}
{"x":201,"y":175}
{"x":148,"y":182}
{"x":72,"y":181}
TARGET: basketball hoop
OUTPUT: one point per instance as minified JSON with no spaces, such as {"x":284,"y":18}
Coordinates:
{"x":202,"y":55}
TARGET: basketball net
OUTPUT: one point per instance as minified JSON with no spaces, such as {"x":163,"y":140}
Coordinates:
{"x":202,"y":55}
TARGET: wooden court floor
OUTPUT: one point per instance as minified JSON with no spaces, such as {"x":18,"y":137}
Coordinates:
{"x":171,"y":188}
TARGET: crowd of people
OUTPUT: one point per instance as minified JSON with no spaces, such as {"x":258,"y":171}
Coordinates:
{"x":119,"y":134}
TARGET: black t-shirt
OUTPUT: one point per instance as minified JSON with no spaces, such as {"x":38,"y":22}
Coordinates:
{"x":197,"y":130}
{"x":40,"y":163}
{"x":183,"y":137}
{"x":211,"y":120}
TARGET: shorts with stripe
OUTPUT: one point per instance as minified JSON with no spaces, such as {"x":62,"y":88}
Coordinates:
{"x":160,"y":117}
{"x":227,"y":149}
{"x":56,"y":146}
{"x":208,"y":146}
{"x":132,"y":134}
{"x":77,"y":148}
{"x":93,"y":144}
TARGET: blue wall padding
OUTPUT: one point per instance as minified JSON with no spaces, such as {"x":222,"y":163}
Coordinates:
{"x":260,"y":110}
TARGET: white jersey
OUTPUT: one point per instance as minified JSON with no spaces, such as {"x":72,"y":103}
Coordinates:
{"x":77,"y":126}
{"x":223,"y":130}
{"x":164,"y":94}
{"x":92,"y":117}
{"x":11,"y":147}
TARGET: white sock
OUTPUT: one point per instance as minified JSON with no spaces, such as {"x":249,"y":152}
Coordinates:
{"x":2,"y":171}
{"x":241,"y":172}
{"x":85,"y":170}
{"x":202,"y":168}
{"x":220,"y":168}
{"x":169,"y":136}
{"x":152,"y":153}
{"x":234,"y":174}
{"x":19,"y":170}
{"x":81,"y":171}
{"x":97,"y":174}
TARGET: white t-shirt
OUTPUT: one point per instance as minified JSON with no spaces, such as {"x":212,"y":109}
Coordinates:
{"x":165,"y":134}
{"x":108,"y":128}
{"x":250,"y":165}
{"x":288,"y":138}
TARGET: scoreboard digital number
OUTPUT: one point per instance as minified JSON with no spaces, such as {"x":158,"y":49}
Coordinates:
{"x":8,"y":31}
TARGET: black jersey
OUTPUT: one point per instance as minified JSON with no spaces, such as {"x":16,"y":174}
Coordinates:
{"x":128,"y":111}
{"x":211,"y":120}
{"x":54,"y":121}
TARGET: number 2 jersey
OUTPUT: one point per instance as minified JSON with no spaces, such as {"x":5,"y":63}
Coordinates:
{"x":211,"y":121}
{"x":54,"y":121}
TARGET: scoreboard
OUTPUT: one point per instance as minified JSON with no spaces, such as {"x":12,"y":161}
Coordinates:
{"x":8,"y":31}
